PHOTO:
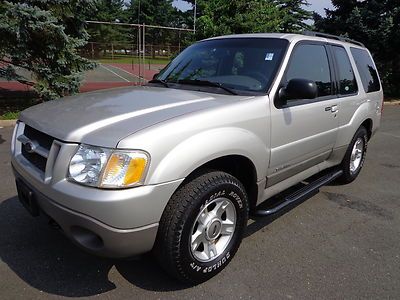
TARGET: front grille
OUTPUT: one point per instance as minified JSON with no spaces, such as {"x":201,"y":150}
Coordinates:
{"x":43,"y":140}
{"x":35,"y":159}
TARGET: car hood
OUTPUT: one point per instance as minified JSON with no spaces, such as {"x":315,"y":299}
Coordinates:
{"x":103,"y":118}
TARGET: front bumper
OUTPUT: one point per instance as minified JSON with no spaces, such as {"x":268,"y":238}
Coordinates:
{"x":93,"y":231}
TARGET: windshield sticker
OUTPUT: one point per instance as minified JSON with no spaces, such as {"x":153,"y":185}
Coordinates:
{"x":269,"y":56}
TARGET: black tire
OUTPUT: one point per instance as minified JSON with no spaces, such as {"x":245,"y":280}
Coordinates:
{"x":348,"y":174}
{"x":172,"y":247}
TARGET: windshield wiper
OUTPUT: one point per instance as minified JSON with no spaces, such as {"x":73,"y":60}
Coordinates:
{"x":206,"y":83}
{"x":163,"y":82}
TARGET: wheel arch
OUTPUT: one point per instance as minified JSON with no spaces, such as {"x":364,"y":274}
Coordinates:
{"x":367,"y":124}
{"x":238,"y":166}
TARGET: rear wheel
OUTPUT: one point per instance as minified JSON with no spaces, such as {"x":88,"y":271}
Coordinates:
{"x":202,"y":227}
{"x":355,"y":156}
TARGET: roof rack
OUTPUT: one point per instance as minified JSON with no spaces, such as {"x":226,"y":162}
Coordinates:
{"x":331,"y":36}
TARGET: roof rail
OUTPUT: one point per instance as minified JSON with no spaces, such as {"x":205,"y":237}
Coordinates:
{"x":331,"y":36}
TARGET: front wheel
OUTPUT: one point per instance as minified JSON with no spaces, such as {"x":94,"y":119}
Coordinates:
{"x":202,"y":227}
{"x":354,"y":158}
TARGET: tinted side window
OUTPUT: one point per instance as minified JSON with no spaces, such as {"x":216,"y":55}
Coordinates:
{"x":347,"y":80}
{"x":311,"y":62}
{"x":368,"y":73}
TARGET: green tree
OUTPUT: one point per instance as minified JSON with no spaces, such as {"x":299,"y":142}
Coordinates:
{"x":103,"y":35}
{"x":219,"y":17}
{"x":377,"y":25}
{"x":294,"y":15}
{"x":153,"y":12}
{"x":43,"y":37}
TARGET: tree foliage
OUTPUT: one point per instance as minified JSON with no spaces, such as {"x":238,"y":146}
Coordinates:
{"x":107,"y":11}
{"x":294,"y":15}
{"x":160,"y":13}
{"x":377,"y":25}
{"x":42,"y":37}
{"x":218,"y":17}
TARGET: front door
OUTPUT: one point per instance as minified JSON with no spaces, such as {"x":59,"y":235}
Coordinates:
{"x":303,"y":131}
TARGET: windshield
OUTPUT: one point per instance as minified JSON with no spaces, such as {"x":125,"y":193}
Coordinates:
{"x":241,"y":64}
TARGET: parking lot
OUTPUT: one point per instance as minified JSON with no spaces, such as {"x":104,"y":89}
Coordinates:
{"x":342,"y":243}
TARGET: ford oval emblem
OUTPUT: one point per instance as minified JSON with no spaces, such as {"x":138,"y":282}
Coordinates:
{"x":30,"y":147}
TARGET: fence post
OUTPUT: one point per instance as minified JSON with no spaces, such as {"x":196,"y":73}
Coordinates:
{"x":144,"y":50}
{"x":133,"y":66}
{"x":138,"y":51}
{"x":112,"y":51}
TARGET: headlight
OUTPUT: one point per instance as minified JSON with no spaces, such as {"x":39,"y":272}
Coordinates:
{"x":108,"y":168}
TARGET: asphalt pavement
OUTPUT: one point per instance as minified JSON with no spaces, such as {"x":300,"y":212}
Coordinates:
{"x":343,"y":243}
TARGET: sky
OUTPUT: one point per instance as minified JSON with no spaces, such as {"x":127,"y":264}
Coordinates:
{"x":316,"y":5}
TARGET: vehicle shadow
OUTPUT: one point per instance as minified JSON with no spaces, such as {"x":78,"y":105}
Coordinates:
{"x":46,"y":260}
{"x":1,"y":139}
{"x":261,"y":222}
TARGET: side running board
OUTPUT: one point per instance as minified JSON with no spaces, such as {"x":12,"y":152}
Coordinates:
{"x":305,"y":192}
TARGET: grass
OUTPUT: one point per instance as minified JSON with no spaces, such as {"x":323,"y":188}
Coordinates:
{"x":10,"y":115}
{"x":135,"y":60}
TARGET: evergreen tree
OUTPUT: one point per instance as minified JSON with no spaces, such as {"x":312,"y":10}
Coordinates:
{"x":154,"y":12}
{"x":294,"y":14}
{"x":102,"y":35}
{"x":219,"y":17}
{"x":43,"y":37}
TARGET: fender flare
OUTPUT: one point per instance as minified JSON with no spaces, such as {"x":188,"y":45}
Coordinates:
{"x":206,"y":146}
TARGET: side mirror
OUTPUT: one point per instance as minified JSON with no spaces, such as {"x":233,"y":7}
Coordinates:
{"x":155,"y":75}
{"x":298,"y":89}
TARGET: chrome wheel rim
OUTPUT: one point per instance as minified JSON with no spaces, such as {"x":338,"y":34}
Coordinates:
{"x":356,"y":155}
{"x":213,"y":229}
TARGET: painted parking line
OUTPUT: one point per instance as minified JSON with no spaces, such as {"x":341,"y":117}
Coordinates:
{"x":111,"y":71}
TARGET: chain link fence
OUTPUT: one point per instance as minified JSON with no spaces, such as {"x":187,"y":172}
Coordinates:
{"x":139,"y":49}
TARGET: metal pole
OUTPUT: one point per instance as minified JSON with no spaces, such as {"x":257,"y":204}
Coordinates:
{"x":144,"y":50}
{"x":138,"y":14}
{"x":194,"y":16}
{"x":139,"y":25}
{"x":139,"y":49}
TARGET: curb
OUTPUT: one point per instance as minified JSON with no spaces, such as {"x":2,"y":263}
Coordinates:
{"x":7,"y":123}
{"x":396,"y":102}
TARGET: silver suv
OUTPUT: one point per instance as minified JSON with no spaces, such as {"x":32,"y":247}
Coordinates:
{"x":176,"y":166}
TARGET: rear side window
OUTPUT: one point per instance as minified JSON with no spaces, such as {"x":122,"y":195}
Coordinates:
{"x":367,"y":70}
{"x":311,"y":62}
{"x":347,"y":80}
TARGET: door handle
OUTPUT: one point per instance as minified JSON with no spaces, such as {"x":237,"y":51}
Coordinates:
{"x":333,"y":109}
